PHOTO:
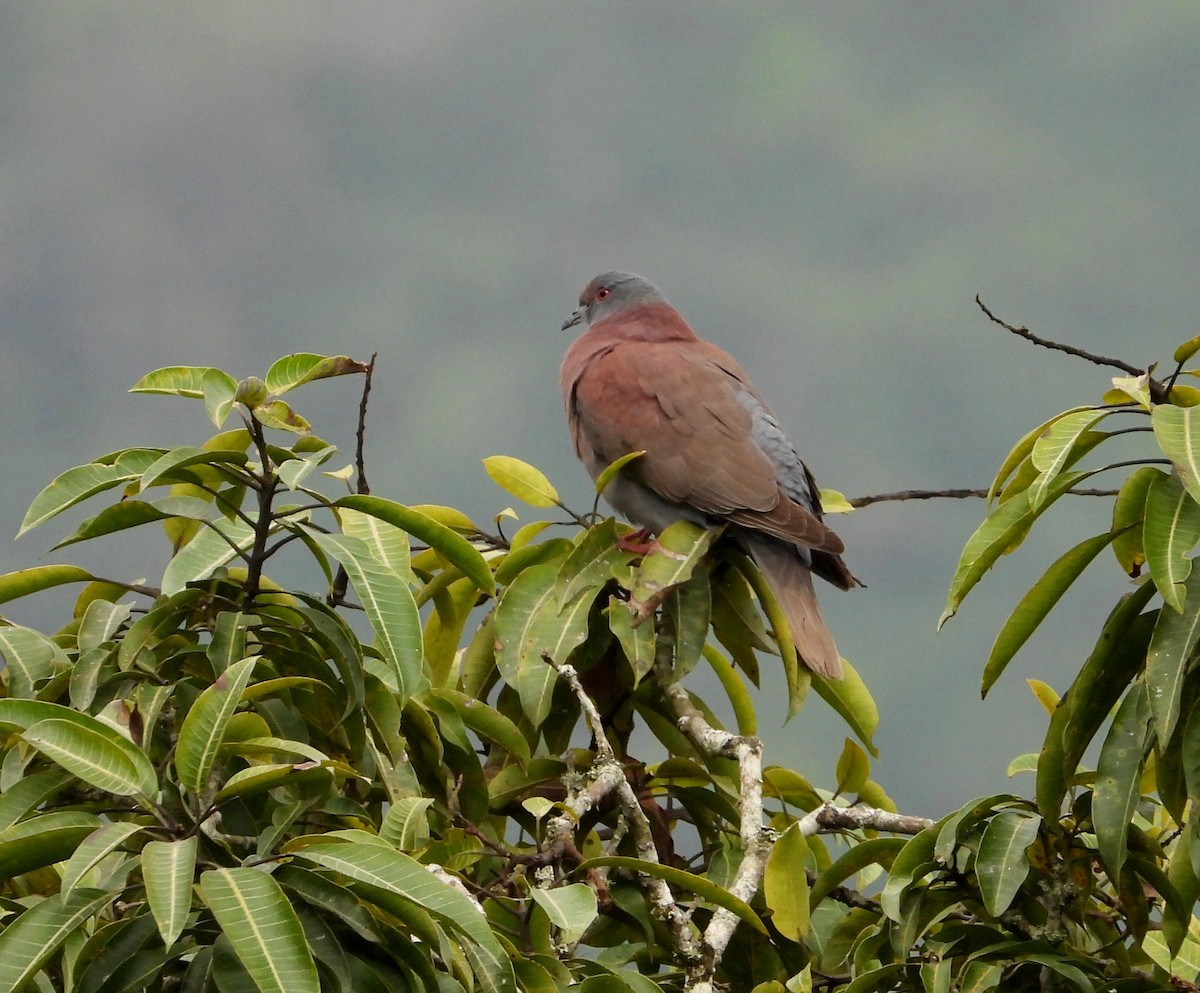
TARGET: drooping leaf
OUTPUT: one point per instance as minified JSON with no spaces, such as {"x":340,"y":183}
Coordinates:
{"x":1053,"y":448}
{"x":1021,"y":452}
{"x":389,"y":605}
{"x":785,"y":884}
{"x":263,"y":929}
{"x":387,"y":542}
{"x":1171,"y":647}
{"x":853,"y":768}
{"x":28,"y":942}
{"x":1129,"y":511}
{"x":1038,"y":602}
{"x":522,"y":480}
{"x":216,"y":545}
{"x":1177,"y":431}
{"x":43,"y":839}
{"x":873,"y":851}
{"x":910,"y":864}
{"x":851,"y":699}
{"x":1170,"y":531}
{"x":203,"y":727}
{"x":72,"y":487}
{"x":168,"y":869}
{"x":42,"y":577}
{"x":1117,"y":775}
{"x":90,"y":752}
{"x":453,"y":547}
{"x":1002,"y":863}
{"x":134,"y":513}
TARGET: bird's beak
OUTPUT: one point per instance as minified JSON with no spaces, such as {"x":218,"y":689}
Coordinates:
{"x":574,"y":319}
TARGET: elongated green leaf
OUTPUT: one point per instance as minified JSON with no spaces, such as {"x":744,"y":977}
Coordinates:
{"x":279,"y":415}
{"x":216,"y":545}
{"x":203,"y":728}
{"x":491,"y":725}
{"x":571,"y":908}
{"x":592,"y":561}
{"x":389,"y":605}
{"x":1002,"y":865}
{"x":31,"y":658}
{"x":42,"y":577}
{"x":785,"y":884}
{"x":263,"y":929}
{"x":303,"y":367}
{"x":912,"y":862}
{"x":43,"y":840}
{"x":851,"y":699}
{"x":853,"y":768}
{"x":176,"y":380}
{"x":293,"y":472}
{"x":1171,"y":646}
{"x":611,"y":470}
{"x":172,"y":466}
{"x":676,"y":553}
{"x":528,"y":626}
{"x":874,"y":851}
{"x":406,"y":824}
{"x":1037,"y":603}
{"x":1054,"y":447}
{"x":637,"y":642}
{"x":168,"y":868}
{"x":72,"y":487}
{"x":1021,"y":451}
{"x":1129,"y":511}
{"x":704,"y":888}
{"x":1177,"y":430}
{"x":94,"y":848}
{"x":1170,"y":531}
{"x":29,"y":792}
{"x":90,"y":752}
{"x":450,"y":545}
{"x":388,"y":543}
{"x":396,"y":873}
{"x":101,"y":620}
{"x":522,"y":480}
{"x":28,"y":942}
{"x":1118,"y":773}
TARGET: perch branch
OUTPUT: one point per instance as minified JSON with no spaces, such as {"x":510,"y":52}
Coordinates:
{"x":829,"y":817}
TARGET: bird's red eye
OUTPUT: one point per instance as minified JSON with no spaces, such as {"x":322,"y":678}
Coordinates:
{"x":602,"y":293}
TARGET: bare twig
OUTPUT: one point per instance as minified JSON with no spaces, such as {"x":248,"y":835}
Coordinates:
{"x":866,"y":501}
{"x":830,"y":817}
{"x":341,"y":581}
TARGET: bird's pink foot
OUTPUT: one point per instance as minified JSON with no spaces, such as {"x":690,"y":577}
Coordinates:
{"x":639,"y":542}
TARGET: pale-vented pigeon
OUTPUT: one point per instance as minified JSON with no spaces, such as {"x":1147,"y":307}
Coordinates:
{"x":639,"y":379}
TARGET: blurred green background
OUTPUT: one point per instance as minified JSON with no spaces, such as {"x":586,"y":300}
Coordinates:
{"x":821,"y":188}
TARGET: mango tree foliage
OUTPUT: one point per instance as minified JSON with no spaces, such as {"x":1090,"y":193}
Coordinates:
{"x":373,"y":777}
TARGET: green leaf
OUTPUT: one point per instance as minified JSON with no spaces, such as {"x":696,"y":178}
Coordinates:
{"x":874,"y":851}
{"x":911,"y":863}
{"x":43,"y":839}
{"x":216,"y":545}
{"x":388,"y":543}
{"x":1003,"y":530}
{"x":1129,"y":511}
{"x":1054,"y":447}
{"x":27,"y":943}
{"x":592,"y":561}
{"x":203,"y":728}
{"x":785,"y":884}
{"x":522,"y":480}
{"x":31,"y":659}
{"x":638,"y":642}
{"x":220,"y":390}
{"x":30,"y":792}
{"x":1170,"y":531}
{"x":850,"y":698}
{"x":529,"y":625}
{"x":293,"y":472}
{"x":132,"y":513}
{"x":396,"y":873}
{"x":43,"y":577}
{"x":1186,"y":350}
{"x":1037,"y":603}
{"x":1171,"y":646}
{"x":94,"y":849}
{"x":450,"y":545}
{"x":279,"y":415}
{"x":175,"y":380}
{"x":1177,"y":431}
{"x":1002,"y":864}
{"x":706,"y":889}
{"x":611,"y":470}
{"x":853,"y":768}
{"x":169,"y":468}
{"x":406,"y":824}
{"x":303,"y":367}
{"x":571,"y":908}
{"x":168,"y":868}
{"x":389,"y":605}
{"x":90,"y":752}
{"x":1021,"y":451}
{"x":677,"y":552}
{"x":491,"y":725}
{"x":1118,"y":772}
{"x":263,"y":929}
{"x":72,"y":487}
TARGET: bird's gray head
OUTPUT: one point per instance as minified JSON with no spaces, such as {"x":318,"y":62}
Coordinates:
{"x":609,"y":293}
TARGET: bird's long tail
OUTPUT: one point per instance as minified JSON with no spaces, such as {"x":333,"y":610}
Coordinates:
{"x":791,"y":581}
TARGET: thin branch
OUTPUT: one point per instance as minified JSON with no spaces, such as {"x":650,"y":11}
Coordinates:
{"x":830,"y":817}
{"x":1058,"y":346}
{"x":866,"y":501}
{"x":341,"y":581}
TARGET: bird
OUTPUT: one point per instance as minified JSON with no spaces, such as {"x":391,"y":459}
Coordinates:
{"x":638,"y":378}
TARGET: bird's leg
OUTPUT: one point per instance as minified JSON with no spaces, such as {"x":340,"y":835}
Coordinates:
{"x":639,"y":542}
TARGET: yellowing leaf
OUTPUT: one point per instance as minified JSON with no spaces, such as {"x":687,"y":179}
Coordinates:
{"x":521,"y":480}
